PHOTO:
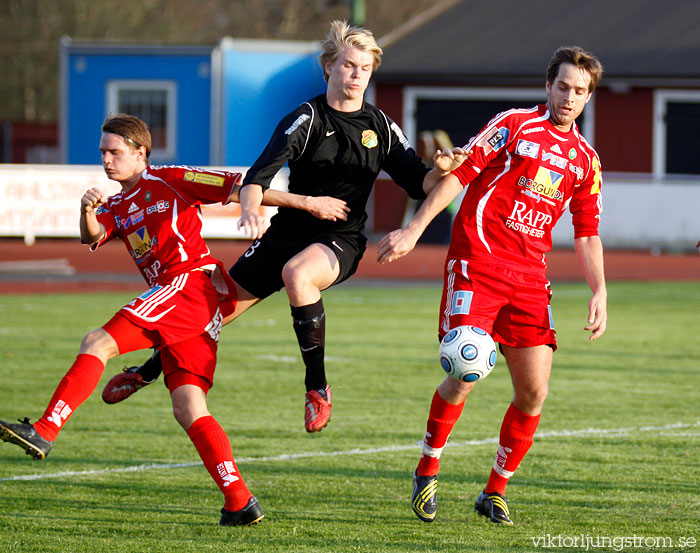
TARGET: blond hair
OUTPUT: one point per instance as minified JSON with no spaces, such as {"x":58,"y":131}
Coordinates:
{"x":577,"y":56}
{"x":340,"y":35}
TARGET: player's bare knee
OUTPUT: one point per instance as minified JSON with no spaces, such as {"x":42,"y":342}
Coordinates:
{"x":292,"y":276}
{"x":182,"y":415}
{"x":531,"y":399}
{"x":100,"y":344}
{"x":455,"y":391}
{"x":298,"y":285}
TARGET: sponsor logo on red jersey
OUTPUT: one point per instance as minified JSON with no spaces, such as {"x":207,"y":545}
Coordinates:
{"x":203,"y":178}
{"x":141,"y":243}
{"x":555,"y":160}
{"x":546,"y":183}
{"x":133,"y":219}
{"x":527,"y":149}
{"x":494,"y":140}
{"x":160,"y":207}
{"x":595,"y":189}
{"x":528,"y":221}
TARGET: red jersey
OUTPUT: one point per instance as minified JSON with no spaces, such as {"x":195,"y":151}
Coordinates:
{"x":159,"y":220}
{"x":522,"y":175}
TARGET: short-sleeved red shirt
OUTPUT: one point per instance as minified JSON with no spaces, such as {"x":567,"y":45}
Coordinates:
{"x":160,"y":222}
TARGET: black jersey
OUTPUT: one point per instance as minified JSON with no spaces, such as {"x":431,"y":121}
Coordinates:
{"x":339,"y":154}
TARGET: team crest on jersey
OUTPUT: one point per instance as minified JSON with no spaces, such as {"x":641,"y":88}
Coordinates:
{"x":203,"y":178}
{"x":572,"y":154}
{"x":369,"y":139}
{"x":141,"y":243}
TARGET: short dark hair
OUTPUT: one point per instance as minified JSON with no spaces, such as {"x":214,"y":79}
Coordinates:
{"x":577,"y":56}
{"x":134,"y":131}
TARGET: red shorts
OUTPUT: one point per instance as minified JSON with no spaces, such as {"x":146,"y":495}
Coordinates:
{"x":183,"y":319}
{"x":191,"y":361}
{"x":510,"y":305}
{"x":187,"y":306}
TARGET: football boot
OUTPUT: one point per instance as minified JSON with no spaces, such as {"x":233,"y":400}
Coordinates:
{"x":26,"y":437}
{"x":493,"y":506}
{"x":424,"y":498}
{"x":317,"y":409}
{"x":123,"y":385}
{"x":251,"y":514}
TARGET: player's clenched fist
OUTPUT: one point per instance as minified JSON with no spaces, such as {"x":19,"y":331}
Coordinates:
{"x":92,"y":199}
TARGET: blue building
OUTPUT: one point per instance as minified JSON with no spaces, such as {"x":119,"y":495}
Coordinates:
{"x":206,"y":105}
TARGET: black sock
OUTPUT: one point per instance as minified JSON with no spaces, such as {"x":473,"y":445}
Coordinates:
{"x":152,"y":368}
{"x":310,"y":328}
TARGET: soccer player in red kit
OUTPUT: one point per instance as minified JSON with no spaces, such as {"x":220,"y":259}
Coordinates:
{"x":157,"y":216}
{"x":527,"y":167}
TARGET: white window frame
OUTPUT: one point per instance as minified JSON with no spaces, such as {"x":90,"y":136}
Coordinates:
{"x":412,"y":94}
{"x":661,"y":99}
{"x":168,"y":153}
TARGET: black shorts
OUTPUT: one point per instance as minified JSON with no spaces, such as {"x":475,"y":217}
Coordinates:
{"x":259,"y":269}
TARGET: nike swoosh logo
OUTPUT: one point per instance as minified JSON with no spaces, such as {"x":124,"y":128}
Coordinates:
{"x":304,"y":350}
{"x":336,"y":245}
{"x":329,"y":133}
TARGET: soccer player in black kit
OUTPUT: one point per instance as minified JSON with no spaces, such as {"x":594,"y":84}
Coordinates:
{"x":335,"y":144}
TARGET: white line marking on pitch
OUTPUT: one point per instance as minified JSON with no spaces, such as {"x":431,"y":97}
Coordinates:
{"x":293,"y":456}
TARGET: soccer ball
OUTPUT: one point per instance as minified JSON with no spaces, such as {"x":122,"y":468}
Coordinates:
{"x":467,"y":353}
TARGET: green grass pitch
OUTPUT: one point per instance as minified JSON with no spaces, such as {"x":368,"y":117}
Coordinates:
{"x":616,"y":455}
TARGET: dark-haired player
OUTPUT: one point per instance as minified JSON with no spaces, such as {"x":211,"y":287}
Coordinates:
{"x":157,"y":216}
{"x":527,"y":167}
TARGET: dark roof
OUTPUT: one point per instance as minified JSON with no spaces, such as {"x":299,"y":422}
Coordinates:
{"x":511,"y":41}
{"x":134,"y":48}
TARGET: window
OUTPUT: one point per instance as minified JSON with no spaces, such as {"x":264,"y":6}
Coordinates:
{"x":153,"y":102}
{"x":462,"y":112}
{"x":676,"y":134}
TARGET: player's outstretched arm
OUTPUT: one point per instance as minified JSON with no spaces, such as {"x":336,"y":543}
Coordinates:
{"x":91,"y":230}
{"x":444,"y":162}
{"x":253,"y":224}
{"x":589,"y":250}
{"x":322,"y":207}
{"x":399,"y":242}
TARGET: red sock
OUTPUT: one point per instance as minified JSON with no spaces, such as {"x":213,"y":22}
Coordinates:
{"x":75,"y":387}
{"x":441,"y":420}
{"x":517,"y":433}
{"x":214,"y":448}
